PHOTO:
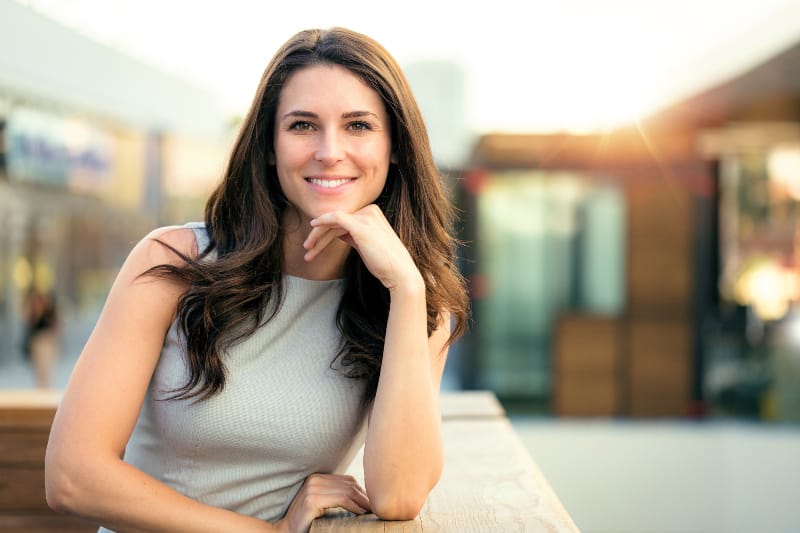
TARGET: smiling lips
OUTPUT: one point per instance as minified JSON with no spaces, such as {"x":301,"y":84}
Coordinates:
{"x":328,"y":183}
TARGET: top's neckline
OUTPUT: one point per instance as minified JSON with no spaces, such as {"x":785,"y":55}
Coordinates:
{"x":298,"y":279}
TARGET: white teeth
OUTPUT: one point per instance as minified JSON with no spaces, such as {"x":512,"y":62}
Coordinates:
{"x":328,"y":184}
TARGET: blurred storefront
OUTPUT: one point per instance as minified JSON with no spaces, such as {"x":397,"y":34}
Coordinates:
{"x":751,"y":346}
{"x":581,"y":273}
{"x":544,"y":242}
{"x":76,"y":194}
{"x":82,"y":178}
{"x":71,"y":193}
{"x":650,"y":271}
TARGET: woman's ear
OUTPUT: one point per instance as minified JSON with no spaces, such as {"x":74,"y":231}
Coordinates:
{"x":271,"y":158}
{"x":393,"y":158}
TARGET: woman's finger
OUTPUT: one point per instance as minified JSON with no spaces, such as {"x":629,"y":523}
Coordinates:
{"x":325,"y":491}
{"x":374,"y":239}
{"x":320,"y":237}
{"x":346,"y":487}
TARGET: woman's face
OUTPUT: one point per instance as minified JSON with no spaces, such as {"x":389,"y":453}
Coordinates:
{"x":332,"y":141}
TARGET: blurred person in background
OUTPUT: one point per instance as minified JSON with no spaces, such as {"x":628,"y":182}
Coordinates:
{"x":240,"y":363}
{"x":42,"y":334}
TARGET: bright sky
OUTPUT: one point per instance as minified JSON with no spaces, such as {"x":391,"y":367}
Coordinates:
{"x":529,"y":65}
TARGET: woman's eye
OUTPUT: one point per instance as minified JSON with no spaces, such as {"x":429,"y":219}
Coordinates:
{"x":301,"y":126}
{"x":360,"y":126}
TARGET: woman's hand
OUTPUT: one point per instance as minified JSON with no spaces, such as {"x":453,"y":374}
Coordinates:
{"x":371,"y":235}
{"x":320,"y":492}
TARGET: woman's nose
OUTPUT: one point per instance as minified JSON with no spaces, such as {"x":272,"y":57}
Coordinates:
{"x":330,"y":148}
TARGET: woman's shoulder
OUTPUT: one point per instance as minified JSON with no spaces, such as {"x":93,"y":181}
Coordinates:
{"x":161,"y":244}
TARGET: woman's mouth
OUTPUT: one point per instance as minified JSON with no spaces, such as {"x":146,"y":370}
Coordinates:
{"x":329,"y":183}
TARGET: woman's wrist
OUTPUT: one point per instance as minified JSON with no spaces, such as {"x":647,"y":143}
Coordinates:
{"x":411,"y":284}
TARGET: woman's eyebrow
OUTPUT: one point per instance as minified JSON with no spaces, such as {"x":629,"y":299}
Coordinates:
{"x":309,"y":114}
{"x":356,"y":114}
{"x":299,"y":113}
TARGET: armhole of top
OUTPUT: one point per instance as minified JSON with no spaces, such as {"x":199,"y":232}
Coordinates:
{"x":200,"y":235}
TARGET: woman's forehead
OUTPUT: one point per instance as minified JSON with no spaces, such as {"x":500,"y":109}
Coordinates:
{"x":324,"y":86}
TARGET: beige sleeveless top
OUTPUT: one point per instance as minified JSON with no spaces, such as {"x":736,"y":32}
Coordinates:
{"x":284,"y":412}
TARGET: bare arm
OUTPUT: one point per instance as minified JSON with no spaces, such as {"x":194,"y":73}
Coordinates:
{"x":85,"y":474}
{"x":403,"y":456}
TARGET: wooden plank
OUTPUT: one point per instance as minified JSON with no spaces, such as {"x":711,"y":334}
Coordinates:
{"x":22,"y":489}
{"x":46,"y":523}
{"x":30,"y":398}
{"x":28,"y":409}
{"x":660,"y":367}
{"x":20,"y":447}
{"x":587,"y":396}
{"x":587,"y":344}
{"x":338,"y":520}
{"x":470,"y":404}
{"x":586,"y":363}
{"x":489,"y":483}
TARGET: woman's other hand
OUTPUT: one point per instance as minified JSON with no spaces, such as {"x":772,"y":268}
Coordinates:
{"x":320,"y":492}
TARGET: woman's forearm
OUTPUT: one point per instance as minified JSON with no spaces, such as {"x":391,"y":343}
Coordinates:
{"x":123,"y":498}
{"x":403,"y":456}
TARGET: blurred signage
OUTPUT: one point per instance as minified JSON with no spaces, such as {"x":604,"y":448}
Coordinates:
{"x":192,"y":167}
{"x":64,"y":152}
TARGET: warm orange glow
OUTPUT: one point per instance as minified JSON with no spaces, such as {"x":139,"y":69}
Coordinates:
{"x":767,"y":287}
{"x":783,"y":163}
{"x":542,"y":67}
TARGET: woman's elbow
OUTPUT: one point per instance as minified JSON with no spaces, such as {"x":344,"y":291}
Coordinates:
{"x":397,"y":507}
{"x":59,"y":490}
{"x":63,"y":480}
{"x":400,"y":501}
{"x":394,"y":498}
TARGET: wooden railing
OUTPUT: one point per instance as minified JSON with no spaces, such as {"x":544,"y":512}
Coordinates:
{"x":489,"y":483}
{"x":25,"y":419}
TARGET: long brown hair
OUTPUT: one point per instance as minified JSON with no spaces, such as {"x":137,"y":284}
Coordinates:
{"x":232,"y":281}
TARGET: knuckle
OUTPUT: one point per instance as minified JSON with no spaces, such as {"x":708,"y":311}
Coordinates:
{"x":314,"y":480}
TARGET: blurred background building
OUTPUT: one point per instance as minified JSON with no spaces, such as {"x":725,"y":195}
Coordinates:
{"x":646,"y":270}
{"x":97,"y":149}
{"x":646,"y":273}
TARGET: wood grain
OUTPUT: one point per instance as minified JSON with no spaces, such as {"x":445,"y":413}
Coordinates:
{"x":25,"y":419}
{"x":489,"y":483}
{"x":470,"y":404}
{"x":28,"y":409}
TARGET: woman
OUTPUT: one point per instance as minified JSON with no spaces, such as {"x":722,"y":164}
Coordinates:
{"x":42,"y":334}
{"x":239,"y":363}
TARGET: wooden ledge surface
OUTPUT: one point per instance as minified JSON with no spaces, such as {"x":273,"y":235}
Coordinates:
{"x":28,"y":409}
{"x":34,"y":398}
{"x":470,"y":405}
{"x":489,"y":482}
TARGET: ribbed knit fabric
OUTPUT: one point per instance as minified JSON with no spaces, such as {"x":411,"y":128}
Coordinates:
{"x":284,"y":412}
